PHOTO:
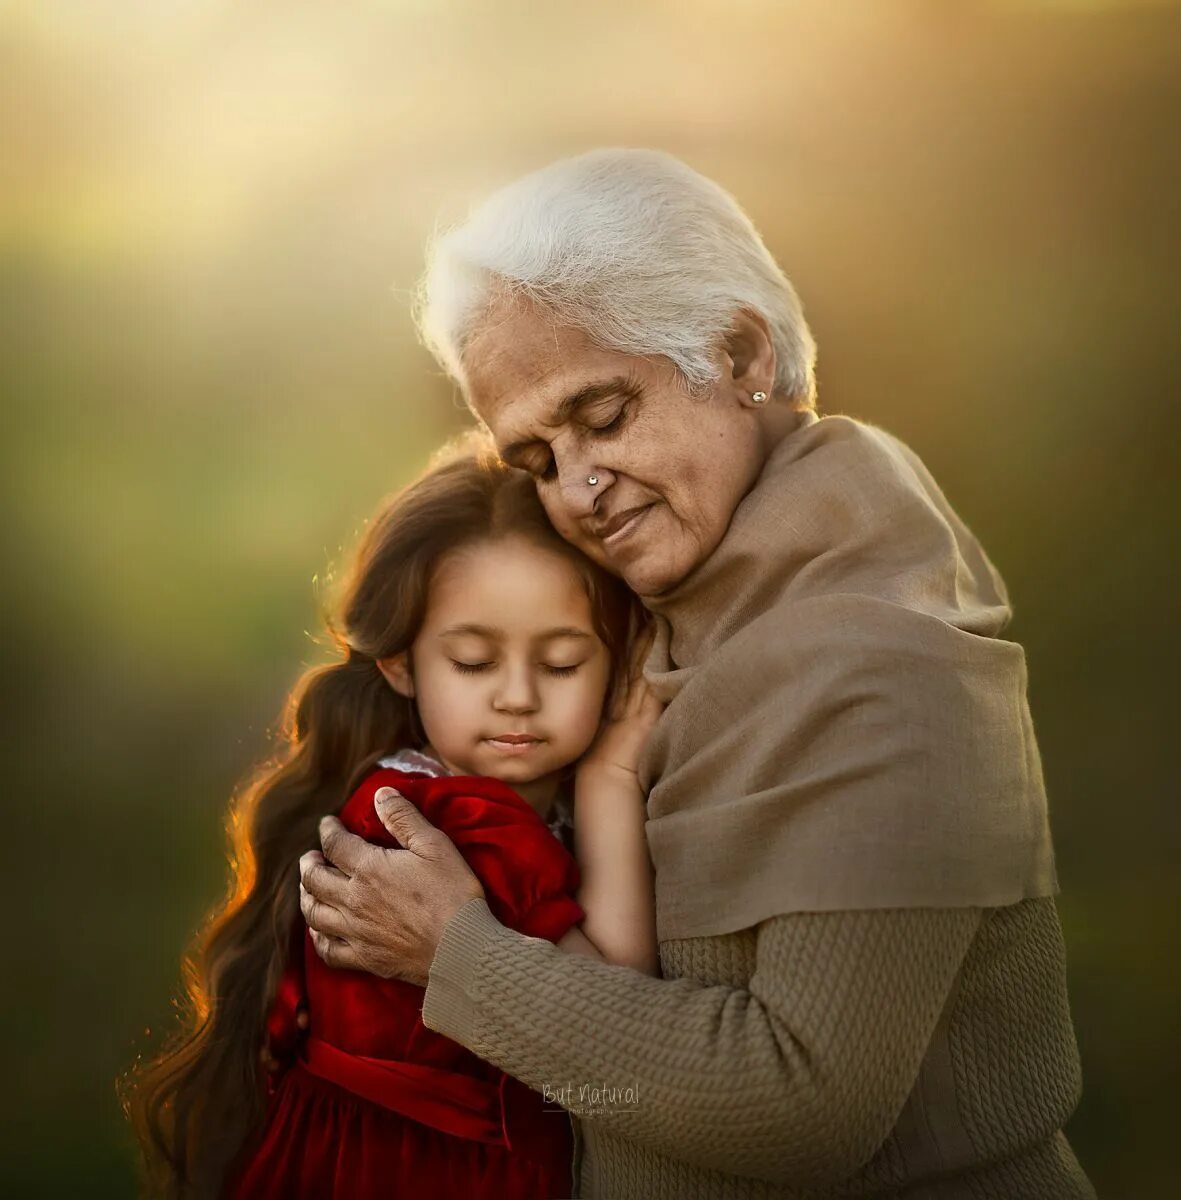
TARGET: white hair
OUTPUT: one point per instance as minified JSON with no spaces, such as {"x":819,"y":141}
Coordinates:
{"x":634,"y":248}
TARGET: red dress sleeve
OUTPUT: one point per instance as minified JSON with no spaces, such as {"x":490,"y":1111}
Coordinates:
{"x":530,"y":879}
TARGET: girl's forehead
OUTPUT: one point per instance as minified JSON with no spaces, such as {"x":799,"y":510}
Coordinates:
{"x":513,"y":588}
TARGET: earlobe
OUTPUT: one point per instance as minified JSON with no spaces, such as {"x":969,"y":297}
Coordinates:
{"x":396,"y":670}
{"x":751,"y":354}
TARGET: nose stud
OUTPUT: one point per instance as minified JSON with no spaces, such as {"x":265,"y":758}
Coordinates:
{"x":592,"y":480}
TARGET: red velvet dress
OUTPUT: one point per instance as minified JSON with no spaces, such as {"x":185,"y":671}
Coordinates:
{"x":376,"y":1104}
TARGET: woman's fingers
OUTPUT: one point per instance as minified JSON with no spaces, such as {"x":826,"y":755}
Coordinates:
{"x":320,"y":915}
{"x":321,"y":878}
{"x":344,"y":850}
{"x":321,"y":888}
{"x":334,"y":951}
{"x":406,"y":824}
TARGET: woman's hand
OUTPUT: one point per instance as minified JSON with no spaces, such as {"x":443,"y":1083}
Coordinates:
{"x":384,"y":911}
{"x":633,"y":712}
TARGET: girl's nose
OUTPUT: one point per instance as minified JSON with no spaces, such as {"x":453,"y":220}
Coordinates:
{"x":518,"y":692}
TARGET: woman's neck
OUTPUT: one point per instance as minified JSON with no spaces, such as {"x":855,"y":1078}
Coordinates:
{"x":779,"y":420}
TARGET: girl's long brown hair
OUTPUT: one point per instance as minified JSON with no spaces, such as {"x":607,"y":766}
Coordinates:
{"x":198,"y":1103}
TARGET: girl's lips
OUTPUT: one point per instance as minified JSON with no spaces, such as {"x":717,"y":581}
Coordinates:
{"x":514,"y":743}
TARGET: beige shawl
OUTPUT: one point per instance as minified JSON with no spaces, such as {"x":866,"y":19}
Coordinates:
{"x":845,"y":726}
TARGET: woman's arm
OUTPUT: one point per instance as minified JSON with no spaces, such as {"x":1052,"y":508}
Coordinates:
{"x":798,"y":1078}
{"x":617,"y":890}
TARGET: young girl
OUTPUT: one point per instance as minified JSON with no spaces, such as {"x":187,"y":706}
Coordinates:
{"x":480,"y":650}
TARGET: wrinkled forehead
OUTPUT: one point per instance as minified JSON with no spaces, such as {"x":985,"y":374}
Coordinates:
{"x":521,"y":363}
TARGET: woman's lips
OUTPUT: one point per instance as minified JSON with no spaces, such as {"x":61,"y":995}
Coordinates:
{"x":627,"y":528}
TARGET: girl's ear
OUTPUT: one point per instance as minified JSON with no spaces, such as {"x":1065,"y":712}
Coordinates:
{"x":396,"y":670}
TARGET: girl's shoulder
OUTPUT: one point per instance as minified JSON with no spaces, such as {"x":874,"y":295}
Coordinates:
{"x":528,"y":872}
{"x":457,"y":804}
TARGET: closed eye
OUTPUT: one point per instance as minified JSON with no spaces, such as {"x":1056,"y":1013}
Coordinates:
{"x":615,"y":422}
{"x":549,"y":472}
{"x":478,"y":668}
{"x":471,"y":668}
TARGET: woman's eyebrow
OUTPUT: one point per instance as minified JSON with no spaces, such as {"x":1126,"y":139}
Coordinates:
{"x":621,"y":385}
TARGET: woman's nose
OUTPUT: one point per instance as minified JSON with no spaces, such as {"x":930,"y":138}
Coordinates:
{"x":581,"y":484}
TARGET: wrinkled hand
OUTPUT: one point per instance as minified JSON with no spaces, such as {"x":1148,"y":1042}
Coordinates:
{"x":378,"y":910}
{"x":633,"y":713}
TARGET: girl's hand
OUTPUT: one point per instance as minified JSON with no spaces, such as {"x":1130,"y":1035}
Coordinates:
{"x":633,"y":713}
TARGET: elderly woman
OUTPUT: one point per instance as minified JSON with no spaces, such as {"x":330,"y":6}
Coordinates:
{"x":864,"y":984}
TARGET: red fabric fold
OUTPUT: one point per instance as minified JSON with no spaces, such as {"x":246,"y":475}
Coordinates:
{"x":449,"y":1101}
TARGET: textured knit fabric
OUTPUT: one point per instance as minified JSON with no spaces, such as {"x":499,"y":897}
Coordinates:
{"x":846,"y":727}
{"x":864,"y":978}
{"x":912,"y":1053}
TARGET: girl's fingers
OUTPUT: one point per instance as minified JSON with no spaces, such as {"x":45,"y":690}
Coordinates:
{"x":631,"y":694}
{"x":640,"y":650}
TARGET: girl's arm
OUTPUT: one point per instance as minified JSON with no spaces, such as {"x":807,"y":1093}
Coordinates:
{"x":574,"y":941}
{"x":617,"y":891}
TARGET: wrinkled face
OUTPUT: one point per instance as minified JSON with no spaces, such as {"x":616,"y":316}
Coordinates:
{"x":670,"y":467}
{"x":507,"y":671}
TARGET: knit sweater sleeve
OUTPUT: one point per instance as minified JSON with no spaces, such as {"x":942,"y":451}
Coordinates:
{"x":797,"y":1079}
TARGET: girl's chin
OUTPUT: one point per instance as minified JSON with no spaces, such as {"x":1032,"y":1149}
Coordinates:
{"x":515,"y":771}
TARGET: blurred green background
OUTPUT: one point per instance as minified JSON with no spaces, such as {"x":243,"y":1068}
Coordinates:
{"x":212,"y":217}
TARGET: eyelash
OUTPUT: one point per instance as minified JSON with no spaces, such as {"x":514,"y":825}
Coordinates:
{"x":599,"y":430}
{"x":480,"y":668}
